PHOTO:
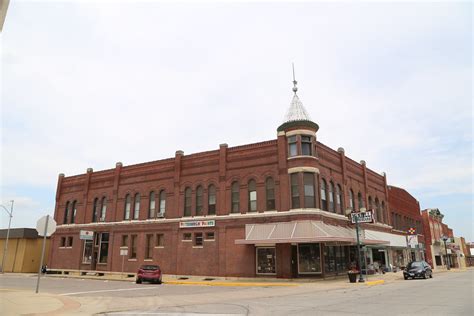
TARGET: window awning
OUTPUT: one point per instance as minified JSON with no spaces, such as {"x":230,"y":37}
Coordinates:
{"x":394,"y":240}
{"x":301,"y":232}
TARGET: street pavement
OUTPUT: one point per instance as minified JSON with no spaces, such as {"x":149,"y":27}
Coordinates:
{"x":448,"y":293}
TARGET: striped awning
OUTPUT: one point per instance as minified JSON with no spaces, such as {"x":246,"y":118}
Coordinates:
{"x":301,"y":232}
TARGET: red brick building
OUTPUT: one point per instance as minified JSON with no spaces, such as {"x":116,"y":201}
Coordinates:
{"x":278,"y":207}
{"x":407,"y":222}
{"x":435,"y":230}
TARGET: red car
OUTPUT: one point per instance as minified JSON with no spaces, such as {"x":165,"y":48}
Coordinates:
{"x":151,"y":273}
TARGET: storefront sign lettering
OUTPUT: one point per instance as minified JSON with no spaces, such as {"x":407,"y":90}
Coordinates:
{"x":192,"y":224}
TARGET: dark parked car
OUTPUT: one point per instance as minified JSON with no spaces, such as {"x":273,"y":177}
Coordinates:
{"x":151,"y":273}
{"x":418,"y":269}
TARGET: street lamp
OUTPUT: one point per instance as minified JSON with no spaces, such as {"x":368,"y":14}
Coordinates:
{"x":361,"y":277}
{"x":10,"y":214}
{"x":445,"y":239}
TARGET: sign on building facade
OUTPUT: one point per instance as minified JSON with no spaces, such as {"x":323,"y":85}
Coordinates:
{"x":192,"y":224}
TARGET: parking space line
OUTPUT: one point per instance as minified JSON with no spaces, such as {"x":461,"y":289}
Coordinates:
{"x":115,"y":290}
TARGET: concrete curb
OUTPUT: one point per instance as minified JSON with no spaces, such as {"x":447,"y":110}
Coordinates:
{"x":229,"y":283}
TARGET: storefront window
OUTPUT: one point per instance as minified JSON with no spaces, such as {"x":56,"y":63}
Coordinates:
{"x":104,"y":248}
{"x":87,"y":256}
{"x":309,"y":258}
{"x":335,"y":259}
{"x":266,"y":261}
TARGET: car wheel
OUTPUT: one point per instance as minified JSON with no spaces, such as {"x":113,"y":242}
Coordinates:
{"x":425,"y":276}
{"x":405,"y":277}
{"x":159,"y":281}
{"x":139,"y":281}
{"x":431,"y":275}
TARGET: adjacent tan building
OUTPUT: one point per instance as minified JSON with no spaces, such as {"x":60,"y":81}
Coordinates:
{"x":24,"y":250}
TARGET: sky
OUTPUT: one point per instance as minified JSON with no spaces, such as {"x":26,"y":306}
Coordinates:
{"x":88,"y":84}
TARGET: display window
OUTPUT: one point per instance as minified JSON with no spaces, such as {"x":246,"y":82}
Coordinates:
{"x":309,"y":258}
{"x":266,"y":260}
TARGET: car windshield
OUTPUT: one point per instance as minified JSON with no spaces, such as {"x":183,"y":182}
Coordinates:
{"x":416,"y":264}
{"x":150,"y":267}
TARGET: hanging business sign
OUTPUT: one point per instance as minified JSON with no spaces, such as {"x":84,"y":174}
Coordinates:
{"x":86,"y":235}
{"x":192,"y":224}
{"x":362,"y":217}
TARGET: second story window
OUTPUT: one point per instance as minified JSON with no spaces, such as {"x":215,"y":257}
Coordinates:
{"x":162,"y":203}
{"x":66,"y":213}
{"x":136,"y":209}
{"x":74,"y":211}
{"x":361,"y":200}
{"x":103,"y":209}
{"x":152,"y":206}
{"x":295,"y":192}
{"x":306,"y":145}
{"x":324,"y":201}
{"x":377,"y":210}
{"x":370,"y":203}
{"x":252,"y":190}
{"x":382,"y":213}
{"x":128,"y":206}
{"x":331,"y":198}
{"x":235,"y":207}
{"x":292,"y":146}
{"x":199,"y":192}
{"x":211,"y":200}
{"x":95,"y":210}
{"x":351,"y":200}
{"x":308,"y":181}
{"x":340,"y":199}
{"x":270,"y":190}
{"x":187,"y":201}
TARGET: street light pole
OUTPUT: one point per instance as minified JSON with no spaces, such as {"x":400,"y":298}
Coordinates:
{"x":5,"y":248}
{"x":448,"y":262}
{"x":361,"y":278}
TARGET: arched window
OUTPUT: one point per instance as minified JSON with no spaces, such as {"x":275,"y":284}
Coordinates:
{"x":377,"y":210}
{"x":382,"y":212}
{"x":308,"y":183}
{"x":270,"y":190}
{"x":152,"y":205}
{"x":324,"y":201}
{"x":211,"y":200}
{"x":162,"y":203}
{"x":187,"y":201}
{"x":128,"y":206}
{"x":199,"y":200}
{"x":66,"y":213}
{"x":95,"y":210}
{"x":103,"y":209}
{"x":371,"y":206}
{"x":252,"y":195}
{"x":351,"y":200}
{"x":74,"y":212}
{"x":339,"y":199}
{"x":295,"y":192}
{"x":136,"y":209}
{"x":235,"y":207}
{"x":361,"y":201}
{"x":332,"y":207}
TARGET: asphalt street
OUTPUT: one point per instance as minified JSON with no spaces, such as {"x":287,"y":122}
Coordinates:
{"x":448,"y":293}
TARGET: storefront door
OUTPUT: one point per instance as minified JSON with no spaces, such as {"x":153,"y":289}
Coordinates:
{"x":266,"y":260}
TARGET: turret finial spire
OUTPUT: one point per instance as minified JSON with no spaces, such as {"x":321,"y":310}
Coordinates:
{"x":295,"y":88}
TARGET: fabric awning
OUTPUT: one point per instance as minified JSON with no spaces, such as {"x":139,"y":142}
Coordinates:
{"x":394,"y":240}
{"x":301,"y":232}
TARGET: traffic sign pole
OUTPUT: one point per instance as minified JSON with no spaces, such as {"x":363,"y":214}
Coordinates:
{"x":42,"y":253}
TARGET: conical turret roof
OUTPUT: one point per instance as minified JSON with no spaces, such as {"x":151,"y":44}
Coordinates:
{"x":296,"y":112}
